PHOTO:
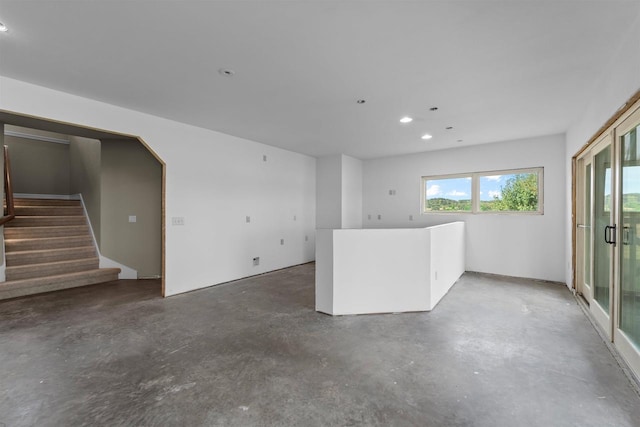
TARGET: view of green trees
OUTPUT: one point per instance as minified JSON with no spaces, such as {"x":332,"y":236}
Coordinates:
{"x":519,"y":193}
{"x":630,"y":202}
{"x":442,"y":204}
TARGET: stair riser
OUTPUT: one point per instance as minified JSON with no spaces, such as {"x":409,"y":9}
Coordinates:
{"x":55,"y":243}
{"x":41,"y":270}
{"x":48,"y":210}
{"x":48,"y":284}
{"x":46,"y":202}
{"x":15,"y":259}
{"x":43,"y":232}
{"x":45,"y":221}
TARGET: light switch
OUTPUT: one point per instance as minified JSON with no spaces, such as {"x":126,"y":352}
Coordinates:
{"x":133,"y":218}
{"x":177,"y":220}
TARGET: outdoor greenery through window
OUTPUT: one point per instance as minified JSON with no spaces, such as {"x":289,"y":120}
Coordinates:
{"x":516,"y":191}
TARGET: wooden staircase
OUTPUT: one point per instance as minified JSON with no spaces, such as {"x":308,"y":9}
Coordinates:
{"x":48,"y":246}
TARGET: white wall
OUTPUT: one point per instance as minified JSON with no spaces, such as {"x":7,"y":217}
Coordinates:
{"x":513,"y":245}
{"x":213,"y":180}
{"x":339,"y":192}
{"x":329,"y":192}
{"x":615,"y":88}
{"x":351,"y":192}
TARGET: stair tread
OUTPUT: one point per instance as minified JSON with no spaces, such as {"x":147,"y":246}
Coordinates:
{"x":30,"y":200}
{"x":39,"y":285}
{"x":48,"y":243}
{"x":56,"y":238}
{"x":44,"y":251}
{"x":50,"y":226}
{"x":95,"y":271}
{"x":46,"y":216}
{"x":54,"y":263}
{"x":37,"y":255}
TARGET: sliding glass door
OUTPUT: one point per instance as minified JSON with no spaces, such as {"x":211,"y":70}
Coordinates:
{"x":608,"y":234}
{"x":603,"y":233}
{"x":627,"y":331}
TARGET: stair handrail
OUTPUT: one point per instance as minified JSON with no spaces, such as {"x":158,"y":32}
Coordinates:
{"x":9,"y":211}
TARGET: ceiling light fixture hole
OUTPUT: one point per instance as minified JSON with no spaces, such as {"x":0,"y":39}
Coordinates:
{"x":226,"y":72}
{"x":361,"y":101}
{"x":433,"y":109}
{"x":449,"y":127}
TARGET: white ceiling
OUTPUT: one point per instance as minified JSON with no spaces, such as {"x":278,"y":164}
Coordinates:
{"x":497,"y":70}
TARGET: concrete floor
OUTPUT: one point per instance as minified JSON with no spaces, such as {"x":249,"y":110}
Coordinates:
{"x":494,"y":352}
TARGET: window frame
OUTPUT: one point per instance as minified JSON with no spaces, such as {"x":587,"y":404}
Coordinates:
{"x":475,"y":191}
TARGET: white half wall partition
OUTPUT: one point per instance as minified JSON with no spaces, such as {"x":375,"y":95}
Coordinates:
{"x":387,"y":270}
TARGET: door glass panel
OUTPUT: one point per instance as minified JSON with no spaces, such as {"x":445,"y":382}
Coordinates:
{"x":602,"y":217}
{"x":587,"y":223}
{"x":630,"y":250}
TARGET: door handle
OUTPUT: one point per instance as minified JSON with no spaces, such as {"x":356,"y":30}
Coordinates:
{"x":626,"y":236}
{"x":608,"y":235}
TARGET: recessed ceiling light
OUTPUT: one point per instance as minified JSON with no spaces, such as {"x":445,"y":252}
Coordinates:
{"x":426,"y":136}
{"x":3,"y":28}
{"x":226,"y":72}
{"x":433,"y":109}
{"x":361,"y":101}
{"x":449,"y":127}
{"x":406,"y":120}
{"x":459,"y":140}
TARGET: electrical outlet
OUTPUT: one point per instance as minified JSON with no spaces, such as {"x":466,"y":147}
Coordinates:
{"x":369,"y":216}
{"x":248,"y":219}
{"x":282,"y":241}
{"x":256,"y":261}
{"x":177,"y":220}
{"x":306,"y":238}
{"x":295,"y":218}
{"x":410,"y":217}
{"x":379,"y":216}
{"x":264,"y":158}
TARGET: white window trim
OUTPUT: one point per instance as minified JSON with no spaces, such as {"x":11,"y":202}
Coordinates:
{"x":475,"y":191}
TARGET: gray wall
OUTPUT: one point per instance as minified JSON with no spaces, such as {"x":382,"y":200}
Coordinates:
{"x":38,"y":167}
{"x":84,"y":176}
{"x":131,"y":184}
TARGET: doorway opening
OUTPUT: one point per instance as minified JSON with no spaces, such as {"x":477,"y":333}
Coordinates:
{"x":118,"y":178}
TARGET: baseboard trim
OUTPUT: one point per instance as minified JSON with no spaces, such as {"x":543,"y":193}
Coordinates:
{"x":516,"y":278}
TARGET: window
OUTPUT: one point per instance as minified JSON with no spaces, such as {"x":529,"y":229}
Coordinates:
{"x":451,"y":194}
{"x":508,"y":191}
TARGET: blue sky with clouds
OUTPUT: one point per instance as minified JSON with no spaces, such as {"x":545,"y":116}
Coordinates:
{"x":460,"y":188}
